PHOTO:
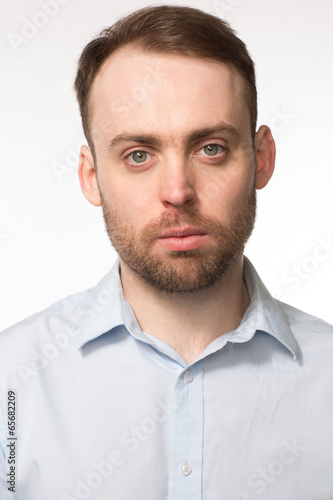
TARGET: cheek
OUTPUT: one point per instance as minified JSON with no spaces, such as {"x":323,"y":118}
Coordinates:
{"x":131,"y":204}
{"x":228,"y":187}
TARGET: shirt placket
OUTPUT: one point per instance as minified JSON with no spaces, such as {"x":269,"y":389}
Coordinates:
{"x":186,"y":435}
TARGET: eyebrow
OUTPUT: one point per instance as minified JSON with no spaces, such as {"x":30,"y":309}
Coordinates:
{"x":194,"y":136}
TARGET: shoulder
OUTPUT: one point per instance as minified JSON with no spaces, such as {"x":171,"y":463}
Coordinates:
{"x":58,"y":319}
{"x":65,"y":314}
{"x":27,"y":347}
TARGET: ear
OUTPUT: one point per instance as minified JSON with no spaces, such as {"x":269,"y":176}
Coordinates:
{"x":88,"y":176}
{"x":265,"y":153}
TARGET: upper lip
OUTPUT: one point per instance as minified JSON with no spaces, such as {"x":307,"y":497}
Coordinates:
{"x":181,"y":231}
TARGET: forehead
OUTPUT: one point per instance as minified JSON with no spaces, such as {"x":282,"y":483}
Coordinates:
{"x":148,"y":90}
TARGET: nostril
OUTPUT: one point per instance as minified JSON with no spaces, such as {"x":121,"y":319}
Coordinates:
{"x":178,"y":197}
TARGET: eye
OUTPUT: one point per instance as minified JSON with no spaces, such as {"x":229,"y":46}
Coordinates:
{"x":138,"y":157}
{"x":212,"y":150}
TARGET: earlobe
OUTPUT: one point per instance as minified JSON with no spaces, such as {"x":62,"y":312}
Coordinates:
{"x":88,"y":177}
{"x":265,"y":154}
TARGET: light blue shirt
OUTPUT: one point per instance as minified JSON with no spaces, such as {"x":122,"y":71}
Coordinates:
{"x":94,"y":408}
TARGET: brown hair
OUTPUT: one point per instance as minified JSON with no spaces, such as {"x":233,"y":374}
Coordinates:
{"x":170,"y":30}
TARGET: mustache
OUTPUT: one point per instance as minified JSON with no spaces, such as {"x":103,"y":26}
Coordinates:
{"x":181,"y":219}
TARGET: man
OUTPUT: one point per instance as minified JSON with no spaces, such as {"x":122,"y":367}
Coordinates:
{"x":178,"y":376}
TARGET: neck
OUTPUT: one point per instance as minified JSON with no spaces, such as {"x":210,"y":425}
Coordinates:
{"x":188,"y":322}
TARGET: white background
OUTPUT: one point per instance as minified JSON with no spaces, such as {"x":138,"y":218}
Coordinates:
{"x":53,"y":243}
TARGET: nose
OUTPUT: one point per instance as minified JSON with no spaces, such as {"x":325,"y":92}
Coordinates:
{"x":177,"y":186}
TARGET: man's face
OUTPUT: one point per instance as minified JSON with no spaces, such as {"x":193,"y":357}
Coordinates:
{"x":175,"y":166}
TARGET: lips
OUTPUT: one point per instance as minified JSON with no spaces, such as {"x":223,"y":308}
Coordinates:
{"x":181,"y":239}
{"x":182,"y":232}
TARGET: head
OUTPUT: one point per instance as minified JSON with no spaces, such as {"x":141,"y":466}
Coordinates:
{"x":168,"y":103}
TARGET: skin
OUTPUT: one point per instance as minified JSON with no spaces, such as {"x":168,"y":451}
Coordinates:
{"x":184,"y":95}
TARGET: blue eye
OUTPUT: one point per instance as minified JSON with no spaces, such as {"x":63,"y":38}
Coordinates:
{"x":139,"y":156}
{"x":212,"y":149}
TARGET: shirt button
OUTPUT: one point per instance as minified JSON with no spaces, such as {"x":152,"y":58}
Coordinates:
{"x":189,"y":376}
{"x":186,"y":469}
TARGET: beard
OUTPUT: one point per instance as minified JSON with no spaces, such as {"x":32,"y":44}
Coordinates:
{"x":182,"y":271}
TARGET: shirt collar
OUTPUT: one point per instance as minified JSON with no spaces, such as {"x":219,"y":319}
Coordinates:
{"x":264,"y":312}
{"x":105,"y":307}
{"x":101,"y":309}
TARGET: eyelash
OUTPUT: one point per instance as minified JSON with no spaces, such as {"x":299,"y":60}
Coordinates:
{"x":224,"y":151}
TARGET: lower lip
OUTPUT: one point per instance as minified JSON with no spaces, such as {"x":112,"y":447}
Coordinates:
{"x":190,"y":242}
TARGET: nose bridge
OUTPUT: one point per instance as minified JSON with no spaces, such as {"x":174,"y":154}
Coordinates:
{"x":177,"y":180}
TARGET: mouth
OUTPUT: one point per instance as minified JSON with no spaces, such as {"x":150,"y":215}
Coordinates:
{"x":182,"y":239}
